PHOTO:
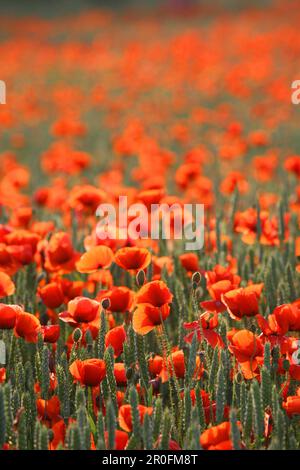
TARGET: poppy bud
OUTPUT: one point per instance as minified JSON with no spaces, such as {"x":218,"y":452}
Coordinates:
{"x":194,"y":285}
{"x":52,"y":363}
{"x":286,"y":364}
{"x":129,"y":373}
{"x":196,"y":278}
{"x":202,"y":356}
{"x":105,"y":304}
{"x":88,"y":338}
{"x":199,"y":293}
{"x":155,"y":384}
{"x":77,"y":335}
{"x":140,"y":278}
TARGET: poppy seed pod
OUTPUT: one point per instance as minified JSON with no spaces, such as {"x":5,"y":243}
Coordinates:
{"x":77,"y":335}
{"x":88,"y":338}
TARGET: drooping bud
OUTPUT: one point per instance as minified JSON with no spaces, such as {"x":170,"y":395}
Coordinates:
{"x":105,"y":304}
{"x":140,"y":278}
{"x":129,"y":373}
{"x":196,"y":278}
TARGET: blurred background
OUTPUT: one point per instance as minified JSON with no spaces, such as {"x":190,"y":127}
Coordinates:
{"x":60,"y":7}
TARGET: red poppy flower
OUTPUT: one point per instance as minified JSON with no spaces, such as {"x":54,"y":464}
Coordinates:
{"x":80,"y":310}
{"x":115,"y":338}
{"x":177,"y":364}
{"x":248,"y":350}
{"x":155,"y":365}
{"x":204,"y":328}
{"x":121,"y":299}
{"x":48,"y":409}
{"x":216,"y":290}
{"x":125,"y":418}
{"x":27,"y":326}
{"x":221,"y":273}
{"x":59,"y":433}
{"x":8,"y":316}
{"x":90,"y":372}
{"x":86,"y":198}
{"x":2,"y":375}
{"x":59,"y":253}
{"x":292,"y":405}
{"x":52,"y":295}
{"x":152,"y":299}
{"x":50,"y":333}
{"x":190,"y":262}
{"x":121,"y":439}
{"x":120,"y":373}
{"x":133,"y":258}
{"x":243,"y":301}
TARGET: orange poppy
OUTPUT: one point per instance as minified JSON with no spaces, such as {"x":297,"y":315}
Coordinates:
{"x":7,"y":286}
{"x":217,"y":437}
{"x":98,"y":257}
{"x":155,"y":293}
{"x":146,"y":317}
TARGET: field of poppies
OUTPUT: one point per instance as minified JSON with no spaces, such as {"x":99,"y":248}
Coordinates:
{"x":124,"y":343}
